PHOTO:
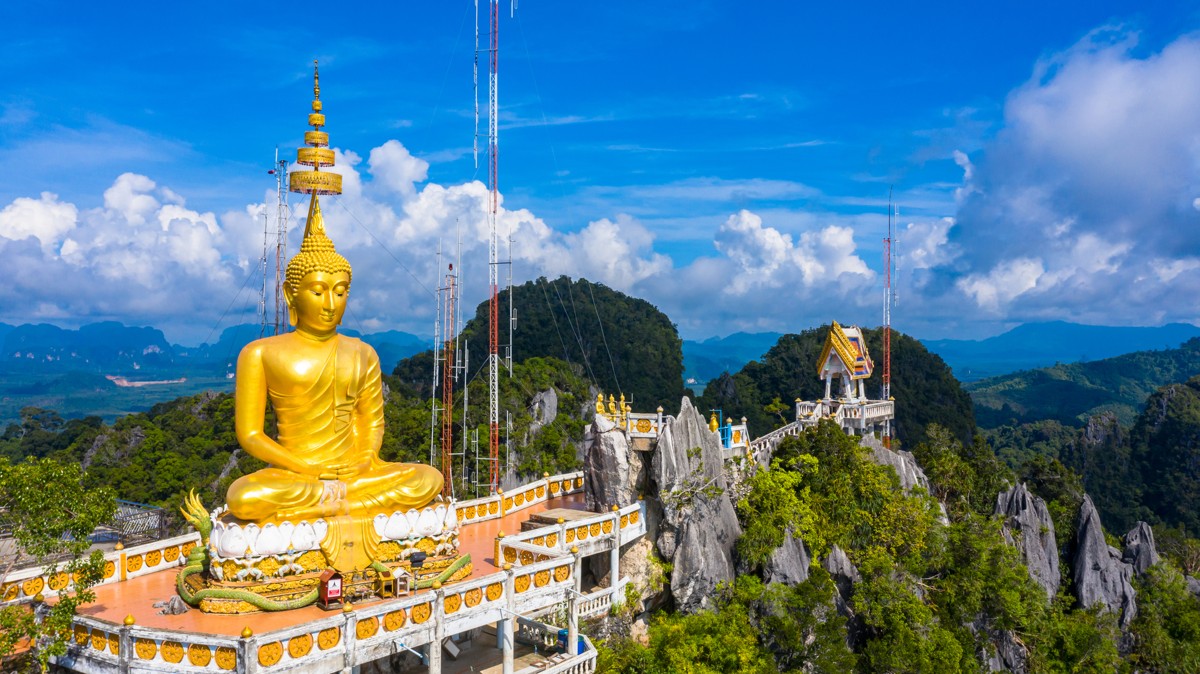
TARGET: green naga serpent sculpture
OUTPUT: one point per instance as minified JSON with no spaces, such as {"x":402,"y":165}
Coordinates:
{"x":198,"y":560}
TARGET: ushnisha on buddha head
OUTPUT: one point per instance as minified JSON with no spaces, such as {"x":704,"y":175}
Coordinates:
{"x":318,"y":281}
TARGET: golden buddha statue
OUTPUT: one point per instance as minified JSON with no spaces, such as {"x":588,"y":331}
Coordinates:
{"x":327,"y":394}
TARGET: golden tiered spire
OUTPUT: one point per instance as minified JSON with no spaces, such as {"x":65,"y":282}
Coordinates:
{"x":317,"y":252}
{"x":318,"y":154}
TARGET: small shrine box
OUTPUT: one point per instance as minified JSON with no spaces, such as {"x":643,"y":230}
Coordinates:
{"x":397,"y":584}
{"x":329,"y":592}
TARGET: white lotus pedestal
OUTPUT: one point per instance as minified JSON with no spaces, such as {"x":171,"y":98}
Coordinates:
{"x":275,"y":567}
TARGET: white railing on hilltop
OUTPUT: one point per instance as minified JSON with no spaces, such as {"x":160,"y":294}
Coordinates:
{"x":24,"y":585}
{"x":501,"y":503}
{"x":588,"y":536}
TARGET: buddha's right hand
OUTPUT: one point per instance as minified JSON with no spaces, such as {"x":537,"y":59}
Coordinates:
{"x":333,"y":498}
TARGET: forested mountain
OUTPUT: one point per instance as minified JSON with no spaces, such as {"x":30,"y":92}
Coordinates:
{"x":764,"y":390}
{"x":1073,"y":392}
{"x":623,"y":344}
{"x":1148,"y":472}
{"x":1035,"y":345}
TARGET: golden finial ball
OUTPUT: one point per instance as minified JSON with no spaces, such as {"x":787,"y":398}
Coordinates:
{"x":561,"y":520}
{"x":507,"y":566}
{"x":119,"y":546}
{"x":39,"y":598}
{"x":347,"y":607}
{"x":437,"y":585}
{"x":545,"y":474}
{"x":500,"y":535}
{"x":615,"y":508}
{"x":129,"y":621}
{"x":574,"y":549}
{"x":247,"y":632}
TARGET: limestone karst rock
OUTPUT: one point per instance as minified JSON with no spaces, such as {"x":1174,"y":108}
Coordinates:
{"x":1028,"y":527}
{"x":788,"y":563}
{"x":611,"y":475}
{"x":1009,"y":654}
{"x":902,"y":462}
{"x":1140,"y":551}
{"x":699,"y":527}
{"x":1100,"y":575}
{"x":844,"y":575}
{"x":543,"y":408}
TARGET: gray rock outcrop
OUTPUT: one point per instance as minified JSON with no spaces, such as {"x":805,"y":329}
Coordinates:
{"x":844,"y":575}
{"x":1028,"y":527}
{"x":699,"y":527}
{"x":902,"y":462}
{"x":1140,"y":551}
{"x":611,"y":476}
{"x":1194,"y":586}
{"x":1100,"y":575}
{"x":543,"y":408}
{"x":1009,"y":654}
{"x":788,"y":563}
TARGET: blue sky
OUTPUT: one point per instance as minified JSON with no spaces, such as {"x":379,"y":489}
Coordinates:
{"x":728,"y":162}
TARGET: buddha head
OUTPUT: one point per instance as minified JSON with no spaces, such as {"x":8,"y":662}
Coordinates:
{"x":318,"y":280}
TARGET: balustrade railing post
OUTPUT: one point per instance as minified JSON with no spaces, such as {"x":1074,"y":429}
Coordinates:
{"x":572,"y":624}
{"x":349,"y":639}
{"x":614,"y":558}
{"x":504,"y":632}
{"x":439,"y":630}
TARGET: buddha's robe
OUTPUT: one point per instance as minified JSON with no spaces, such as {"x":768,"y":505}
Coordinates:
{"x":330,"y":421}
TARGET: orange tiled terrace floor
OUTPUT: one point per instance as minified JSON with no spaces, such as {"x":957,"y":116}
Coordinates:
{"x":137,"y":596}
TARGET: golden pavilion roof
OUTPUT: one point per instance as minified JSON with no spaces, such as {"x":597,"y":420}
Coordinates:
{"x":850,"y":347}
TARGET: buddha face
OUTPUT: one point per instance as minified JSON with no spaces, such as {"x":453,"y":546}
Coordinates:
{"x":317,"y":305}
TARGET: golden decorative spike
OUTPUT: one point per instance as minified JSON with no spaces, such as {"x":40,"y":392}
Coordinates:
{"x":317,"y":155}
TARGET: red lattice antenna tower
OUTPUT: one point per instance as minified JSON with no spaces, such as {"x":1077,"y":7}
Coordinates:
{"x":887,"y":315}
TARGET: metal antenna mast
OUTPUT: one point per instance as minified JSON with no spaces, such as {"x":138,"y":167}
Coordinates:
{"x":262,"y":293}
{"x":282,"y":215}
{"x":887,"y":315}
{"x":450,"y":366}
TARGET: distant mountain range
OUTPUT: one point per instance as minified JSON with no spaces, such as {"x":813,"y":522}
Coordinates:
{"x":109,"y":369}
{"x":1035,"y":345}
{"x":706,"y":360}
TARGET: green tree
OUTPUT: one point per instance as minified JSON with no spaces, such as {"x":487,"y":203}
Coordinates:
{"x":51,"y":514}
{"x":775,"y":505}
{"x":1167,"y":627}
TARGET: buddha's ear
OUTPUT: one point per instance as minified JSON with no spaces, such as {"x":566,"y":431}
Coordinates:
{"x":288,"y":296}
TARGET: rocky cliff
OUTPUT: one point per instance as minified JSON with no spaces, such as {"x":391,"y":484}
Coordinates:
{"x":1028,"y":527}
{"x":699,"y":526}
{"x":1101,"y":577}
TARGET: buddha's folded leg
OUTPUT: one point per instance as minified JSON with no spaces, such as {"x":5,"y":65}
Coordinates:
{"x":394,"y":486}
{"x":275,"y":493}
